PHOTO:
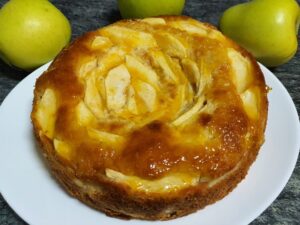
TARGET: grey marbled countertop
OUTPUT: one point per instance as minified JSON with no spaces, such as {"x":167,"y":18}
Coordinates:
{"x":90,"y":14}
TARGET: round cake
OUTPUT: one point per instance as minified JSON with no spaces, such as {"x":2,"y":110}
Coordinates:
{"x":152,"y":118}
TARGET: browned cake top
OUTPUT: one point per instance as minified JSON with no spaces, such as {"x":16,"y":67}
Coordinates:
{"x":144,"y":100}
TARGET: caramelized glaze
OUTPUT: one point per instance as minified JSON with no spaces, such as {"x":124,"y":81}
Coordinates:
{"x":156,"y":148}
{"x":151,"y":119}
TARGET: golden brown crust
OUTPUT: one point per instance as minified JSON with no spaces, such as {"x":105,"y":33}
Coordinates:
{"x":120,"y":199}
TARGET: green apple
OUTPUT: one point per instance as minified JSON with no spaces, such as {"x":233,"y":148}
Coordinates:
{"x":266,"y":28}
{"x":148,"y":8}
{"x":32,"y":32}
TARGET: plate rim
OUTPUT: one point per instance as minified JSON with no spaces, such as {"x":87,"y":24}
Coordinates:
{"x":255,"y":213}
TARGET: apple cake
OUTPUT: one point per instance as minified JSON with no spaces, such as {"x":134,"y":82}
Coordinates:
{"x":151,"y":118}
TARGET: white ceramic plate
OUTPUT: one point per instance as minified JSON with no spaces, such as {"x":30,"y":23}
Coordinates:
{"x":28,"y":188}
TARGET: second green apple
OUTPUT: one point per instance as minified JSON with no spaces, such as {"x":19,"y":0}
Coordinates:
{"x":148,"y":8}
{"x":266,"y":28}
{"x":32,"y":32}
